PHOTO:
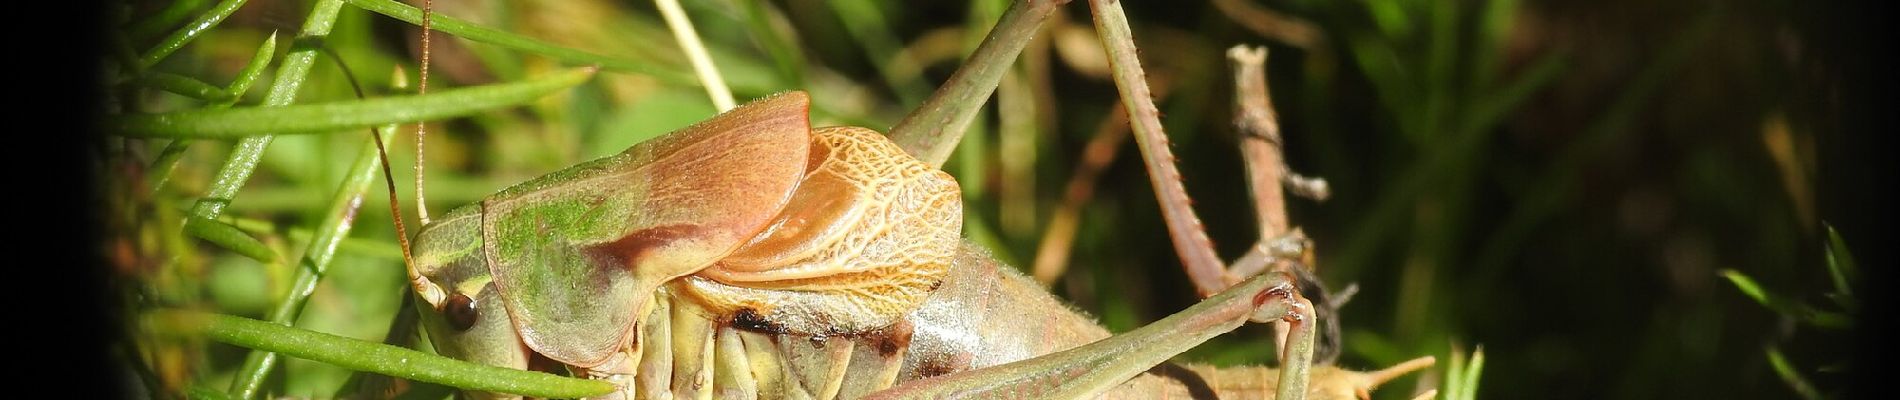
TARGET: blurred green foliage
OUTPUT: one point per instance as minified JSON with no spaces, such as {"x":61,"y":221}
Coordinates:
{"x":1556,"y":181}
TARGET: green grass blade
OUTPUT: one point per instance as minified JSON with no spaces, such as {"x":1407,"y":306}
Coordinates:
{"x":167,"y":17}
{"x":374,"y":357}
{"x":1748,"y":287}
{"x":230,"y":237}
{"x":1454,"y":370}
{"x":183,"y":86}
{"x":251,"y":71}
{"x":331,"y":117}
{"x":174,"y":151}
{"x":177,"y":40}
{"x":478,"y":33}
{"x":242,"y":161}
{"x":1794,"y":379}
{"x":1471,"y":373}
{"x":1785,"y":306}
{"x":338,"y":218}
{"x":1840,"y":263}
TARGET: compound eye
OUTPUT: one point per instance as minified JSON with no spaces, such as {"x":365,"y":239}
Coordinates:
{"x":460,"y":311}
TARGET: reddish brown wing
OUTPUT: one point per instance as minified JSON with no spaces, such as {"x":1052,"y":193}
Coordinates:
{"x":578,"y":253}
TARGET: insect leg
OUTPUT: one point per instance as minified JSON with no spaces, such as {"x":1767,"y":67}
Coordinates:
{"x":1095,"y":368}
{"x":733,"y":379}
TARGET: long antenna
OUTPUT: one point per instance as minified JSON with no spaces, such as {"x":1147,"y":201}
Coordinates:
{"x":422,"y":87}
{"x":428,"y":290}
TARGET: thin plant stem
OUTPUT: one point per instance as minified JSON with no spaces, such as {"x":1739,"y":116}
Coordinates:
{"x":702,"y":63}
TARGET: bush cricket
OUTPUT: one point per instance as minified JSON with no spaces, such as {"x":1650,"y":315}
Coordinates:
{"x":753,"y":255}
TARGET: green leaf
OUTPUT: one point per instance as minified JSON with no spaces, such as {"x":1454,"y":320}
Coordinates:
{"x":332,"y":117}
{"x":375,"y":357}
